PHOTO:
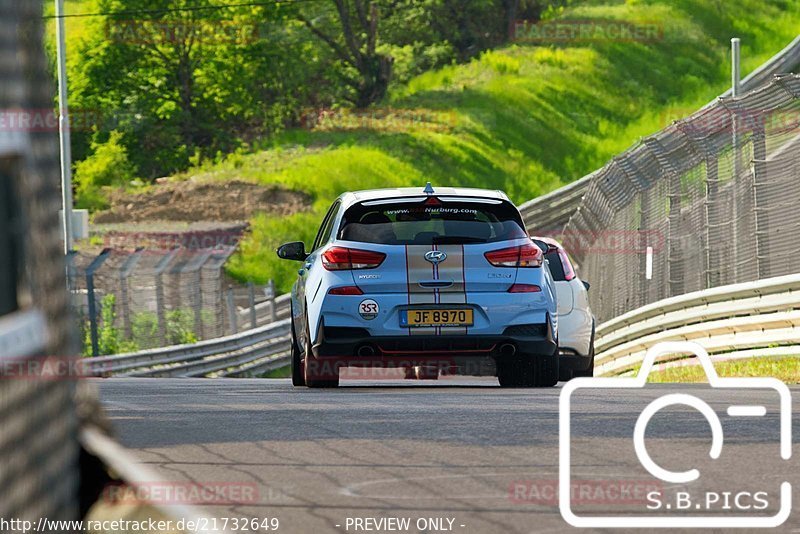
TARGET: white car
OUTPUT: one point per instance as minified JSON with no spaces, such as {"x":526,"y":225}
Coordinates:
{"x":575,"y":320}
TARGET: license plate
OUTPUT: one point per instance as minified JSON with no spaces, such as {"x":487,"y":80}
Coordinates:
{"x":435,"y":317}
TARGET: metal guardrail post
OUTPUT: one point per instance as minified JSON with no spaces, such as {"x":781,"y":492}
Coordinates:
{"x":161,"y":266}
{"x":251,"y":295}
{"x":96,"y":264}
{"x":674,"y":241}
{"x":196,"y":266}
{"x":231,"y":310}
{"x":127,"y":267}
{"x":643,"y":243}
{"x":760,"y":212}
{"x":711,"y":214}
{"x":71,"y":273}
{"x":273,"y":307}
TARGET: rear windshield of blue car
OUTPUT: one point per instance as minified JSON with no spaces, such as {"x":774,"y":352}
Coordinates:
{"x":431,"y":220}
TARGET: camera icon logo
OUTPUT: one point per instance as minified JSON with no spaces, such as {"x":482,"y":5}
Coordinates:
{"x":734,"y":412}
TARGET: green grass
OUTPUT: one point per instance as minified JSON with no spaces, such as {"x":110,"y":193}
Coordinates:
{"x":283,"y":372}
{"x":525,"y":119}
{"x":786,"y":369}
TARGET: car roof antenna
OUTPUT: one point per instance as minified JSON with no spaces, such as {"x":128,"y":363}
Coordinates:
{"x":428,"y":189}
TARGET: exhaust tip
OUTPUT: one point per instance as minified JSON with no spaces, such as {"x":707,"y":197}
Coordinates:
{"x":365,"y":351}
{"x":508,"y":349}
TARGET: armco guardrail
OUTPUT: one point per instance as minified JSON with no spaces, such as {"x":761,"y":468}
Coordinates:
{"x":759,"y":318}
{"x":248,"y":353}
{"x":552,"y":211}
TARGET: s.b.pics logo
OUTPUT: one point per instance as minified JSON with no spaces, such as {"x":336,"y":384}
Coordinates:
{"x":716,"y":454}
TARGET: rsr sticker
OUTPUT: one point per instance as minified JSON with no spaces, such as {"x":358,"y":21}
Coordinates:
{"x":368,"y":309}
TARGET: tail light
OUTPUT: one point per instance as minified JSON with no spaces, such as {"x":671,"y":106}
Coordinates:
{"x":345,"y":290}
{"x":527,"y":255}
{"x":569,"y":272}
{"x":341,"y":258}
{"x":524,"y":288}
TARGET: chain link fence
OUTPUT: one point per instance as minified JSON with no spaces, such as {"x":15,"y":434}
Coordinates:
{"x":709,"y":201}
{"x":128,"y":301}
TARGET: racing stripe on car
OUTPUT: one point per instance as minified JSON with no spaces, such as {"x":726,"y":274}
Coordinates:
{"x":436,"y":298}
{"x":417,"y":270}
{"x":453,"y":269}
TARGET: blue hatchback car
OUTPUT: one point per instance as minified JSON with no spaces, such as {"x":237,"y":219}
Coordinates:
{"x":441,"y":280}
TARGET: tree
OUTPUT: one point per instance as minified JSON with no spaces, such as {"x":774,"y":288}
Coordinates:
{"x":178,"y":82}
{"x":368,"y":71}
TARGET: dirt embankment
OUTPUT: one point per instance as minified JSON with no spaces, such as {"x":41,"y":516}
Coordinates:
{"x":201,"y":201}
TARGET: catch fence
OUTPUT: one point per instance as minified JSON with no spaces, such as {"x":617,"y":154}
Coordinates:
{"x":137,"y":300}
{"x":709,"y":201}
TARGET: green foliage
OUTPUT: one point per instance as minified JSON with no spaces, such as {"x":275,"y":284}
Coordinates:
{"x":145,"y":332}
{"x":109,"y":338}
{"x":180,"y":327}
{"x":258,"y":249}
{"x":786,"y":369}
{"x":178,"y":83}
{"x":144,"y":328}
{"x":184,"y":85}
{"x":108,"y":165}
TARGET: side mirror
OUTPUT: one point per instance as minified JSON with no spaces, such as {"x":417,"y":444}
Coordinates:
{"x":586,"y":284}
{"x":541,"y":244}
{"x":296,"y":250}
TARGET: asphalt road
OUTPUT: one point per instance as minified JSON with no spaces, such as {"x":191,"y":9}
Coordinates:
{"x":456,"y":455}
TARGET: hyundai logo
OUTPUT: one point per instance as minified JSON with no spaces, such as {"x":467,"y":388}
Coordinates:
{"x":435,"y":256}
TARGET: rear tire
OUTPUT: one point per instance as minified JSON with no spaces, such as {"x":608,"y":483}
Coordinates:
{"x":298,"y":374}
{"x":546,"y":375}
{"x":589,"y":371}
{"x":516,"y":371}
{"x":564,"y":375}
{"x":318,"y":374}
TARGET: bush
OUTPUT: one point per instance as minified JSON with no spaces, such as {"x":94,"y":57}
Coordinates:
{"x":109,"y":339}
{"x":180,"y":327}
{"x":144,"y":328}
{"x":108,"y":165}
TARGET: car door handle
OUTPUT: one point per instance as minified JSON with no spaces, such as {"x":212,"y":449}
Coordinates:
{"x":301,"y":272}
{"x":308,"y":265}
{"x":435,"y":284}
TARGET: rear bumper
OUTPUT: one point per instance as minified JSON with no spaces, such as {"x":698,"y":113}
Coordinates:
{"x":575,"y":331}
{"x":354,"y":347}
{"x":571,"y":360}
